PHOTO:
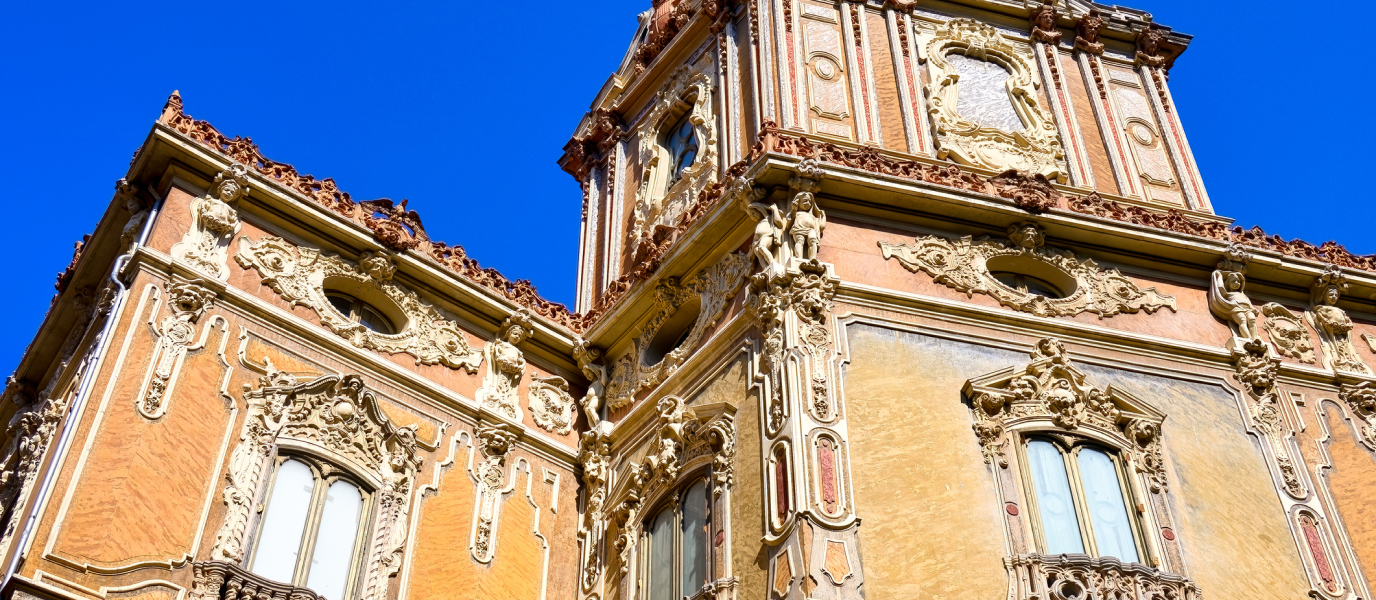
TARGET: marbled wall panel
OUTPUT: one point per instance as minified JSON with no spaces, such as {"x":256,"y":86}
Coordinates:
{"x":173,"y":221}
{"x":932,"y":522}
{"x":1100,"y":166}
{"x":886,"y":84}
{"x":152,"y":473}
{"x":1351,"y":481}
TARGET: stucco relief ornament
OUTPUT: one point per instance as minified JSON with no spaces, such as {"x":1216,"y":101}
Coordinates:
{"x":770,"y":244}
{"x":1051,"y":393}
{"x":298,"y":275}
{"x":1361,"y":400}
{"x":713,"y":287}
{"x":495,"y":443}
{"x":594,"y":456}
{"x":1043,"y":19}
{"x":660,"y":200}
{"x":506,"y":365}
{"x":214,"y":221}
{"x":1087,"y":32}
{"x":341,"y":418}
{"x":1287,"y":332}
{"x":587,"y":356}
{"x":188,"y":301}
{"x":1035,"y":148}
{"x":964,"y":265}
{"x":1257,"y":369}
{"x":806,"y":223}
{"x":1332,"y":323}
{"x":1228,"y":298}
{"x":551,"y":406}
{"x":29,"y":434}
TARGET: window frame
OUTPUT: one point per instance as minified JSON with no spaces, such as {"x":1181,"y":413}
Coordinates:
{"x":325,"y":473}
{"x":1069,"y":448}
{"x":356,"y":308}
{"x":674,"y":501}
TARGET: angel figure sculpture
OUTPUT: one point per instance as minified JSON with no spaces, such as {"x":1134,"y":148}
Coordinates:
{"x":808,"y":221}
{"x":1229,"y":302}
{"x":770,"y":226}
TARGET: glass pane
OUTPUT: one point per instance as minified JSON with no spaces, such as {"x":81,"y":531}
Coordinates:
{"x":661,"y":580}
{"x":1062,"y":530}
{"x":342,"y":303}
{"x":1108,"y":514}
{"x":280,"y":540}
{"x":334,"y":545}
{"x":373,"y":320}
{"x":694,"y":538}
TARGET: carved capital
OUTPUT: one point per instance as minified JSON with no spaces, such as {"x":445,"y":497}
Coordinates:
{"x":1043,"y":20}
{"x":1087,"y":32}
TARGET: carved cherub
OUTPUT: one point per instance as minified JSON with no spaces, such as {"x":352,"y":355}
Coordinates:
{"x":808,"y":222}
{"x":770,"y":226}
{"x":506,"y":364}
{"x":1229,"y":301}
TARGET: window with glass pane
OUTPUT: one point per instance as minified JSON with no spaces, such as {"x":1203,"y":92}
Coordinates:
{"x":677,"y":546}
{"x":683,"y":147}
{"x":309,"y":515}
{"x":1077,"y":490}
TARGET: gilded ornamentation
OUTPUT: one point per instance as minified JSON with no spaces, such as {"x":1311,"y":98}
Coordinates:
{"x":712,"y":287}
{"x":551,"y":406}
{"x":1287,"y":332}
{"x":506,"y":365}
{"x":963,"y":265}
{"x":298,"y":275}
{"x":495,"y":442}
{"x":1034,"y":149}
{"x":662,"y":202}
{"x":342,"y":418}
{"x":1051,"y":392}
{"x":1256,"y":371}
{"x":188,"y":300}
{"x":1332,"y":323}
{"x":1228,"y":299}
{"x":214,"y":221}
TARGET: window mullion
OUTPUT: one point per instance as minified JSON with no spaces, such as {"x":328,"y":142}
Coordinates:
{"x":303,"y":560}
{"x":1077,"y":491}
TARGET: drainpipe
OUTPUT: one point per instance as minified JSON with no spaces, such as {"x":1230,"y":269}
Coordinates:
{"x":91,"y":369}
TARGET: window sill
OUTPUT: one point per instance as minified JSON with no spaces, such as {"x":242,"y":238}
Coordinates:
{"x":1082,"y":576}
{"x":218,"y":579}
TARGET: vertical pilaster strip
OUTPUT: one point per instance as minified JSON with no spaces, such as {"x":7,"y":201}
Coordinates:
{"x":853,"y":39}
{"x":733,"y":76}
{"x":1176,"y":144}
{"x":787,"y":59}
{"x":1092,"y":69}
{"x":764,"y":77}
{"x":615,"y":207}
{"x":898,"y":48}
{"x":584,"y":244}
{"x":1048,"y":60}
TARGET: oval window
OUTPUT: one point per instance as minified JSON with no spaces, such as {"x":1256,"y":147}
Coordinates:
{"x":1029,"y":275}
{"x":361,"y":312}
{"x":674,"y":332}
{"x":1027,"y":284}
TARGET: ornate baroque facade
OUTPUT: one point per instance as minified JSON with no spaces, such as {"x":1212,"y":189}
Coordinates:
{"x":876,"y":299}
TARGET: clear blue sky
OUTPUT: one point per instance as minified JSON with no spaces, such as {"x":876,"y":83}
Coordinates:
{"x":463,"y":107}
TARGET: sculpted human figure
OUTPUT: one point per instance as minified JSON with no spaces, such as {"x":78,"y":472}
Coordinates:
{"x":770,"y":225}
{"x":1229,"y":302}
{"x":1333,"y":324}
{"x":505,"y":365}
{"x":808,"y":221}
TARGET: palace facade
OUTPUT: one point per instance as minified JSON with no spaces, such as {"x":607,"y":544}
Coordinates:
{"x":883,"y":299}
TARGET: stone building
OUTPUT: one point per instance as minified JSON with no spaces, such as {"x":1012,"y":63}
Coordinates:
{"x":877,"y":299}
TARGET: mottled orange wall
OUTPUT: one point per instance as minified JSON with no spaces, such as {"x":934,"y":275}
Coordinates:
{"x":853,"y":247}
{"x":1104,"y":179}
{"x":1351,"y":481}
{"x":886,"y":84}
{"x":150,"y":473}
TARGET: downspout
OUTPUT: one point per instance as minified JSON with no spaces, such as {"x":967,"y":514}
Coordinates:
{"x":88,"y":373}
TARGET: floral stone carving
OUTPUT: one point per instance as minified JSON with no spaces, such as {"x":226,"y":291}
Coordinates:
{"x":30,"y":433}
{"x":1333,"y":324}
{"x":594,"y":456}
{"x":188,"y":300}
{"x":551,"y":405}
{"x":298,"y":275}
{"x":214,"y":221}
{"x":340,"y":418}
{"x":964,"y":265}
{"x":1361,"y":400}
{"x":1287,"y":332}
{"x":662,"y":201}
{"x":1075,"y":576}
{"x":712,"y":286}
{"x":1256,"y":371}
{"x":495,"y":442}
{"x":1035,"y":147}
{"x":1051,"y":392}
{"x":506,"y":364}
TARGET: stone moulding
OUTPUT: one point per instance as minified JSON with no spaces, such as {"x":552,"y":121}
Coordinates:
{"x":1071,"y":576}
{"x":298,"y":275}
{"x":659,"y":204}
{"x":1035,"y":149}
{"x":713,"y":287}
{"x":963,"y":265}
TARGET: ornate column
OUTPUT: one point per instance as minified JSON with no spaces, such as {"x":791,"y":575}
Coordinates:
{"x":1046,"y":40}
{"x":812,"y":530}
{"x":1088,"y":49}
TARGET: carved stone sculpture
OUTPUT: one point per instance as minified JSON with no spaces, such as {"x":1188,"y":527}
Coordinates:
{"x":1035,"y":148}
{"x":1256,"y":371}
{"x":214,"y":221}
{"x":1287,"y":332}
{"x":806,"y":223}
{"x":803,"y":298}
{"x":1080,"y":576}
{"x":1361,"y":400}
{"x":587,"y":357}
{"x":963,"y":265}
{"x":713,"y":287}
{"x":1149,"y":47}
{"x":1043,"y":19}
{"x":342,"y":418}
{"x":188,"y":301}
{"x":494,"y":443}
{"x":1333,"y":324}
{"x":298,"y":275}
{"x":1087,"y":32}
{"x":506,"y":365}
{"x":551,"y":406}
{"x":30,"y":433}
{"x":769,"y":245}
{"x":594,"y":456}
{"x":659,"y":200}
{"x":1228,"y":299}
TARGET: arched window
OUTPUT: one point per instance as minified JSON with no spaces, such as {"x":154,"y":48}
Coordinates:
{"x":1081,"y":505}
{"x":310,"y":534}
{"x":682,"y":142}
{"x":677,"y":546}
{"x":360,"y":312}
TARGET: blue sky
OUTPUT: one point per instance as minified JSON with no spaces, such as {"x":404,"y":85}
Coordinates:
{"x":463,"y":107}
